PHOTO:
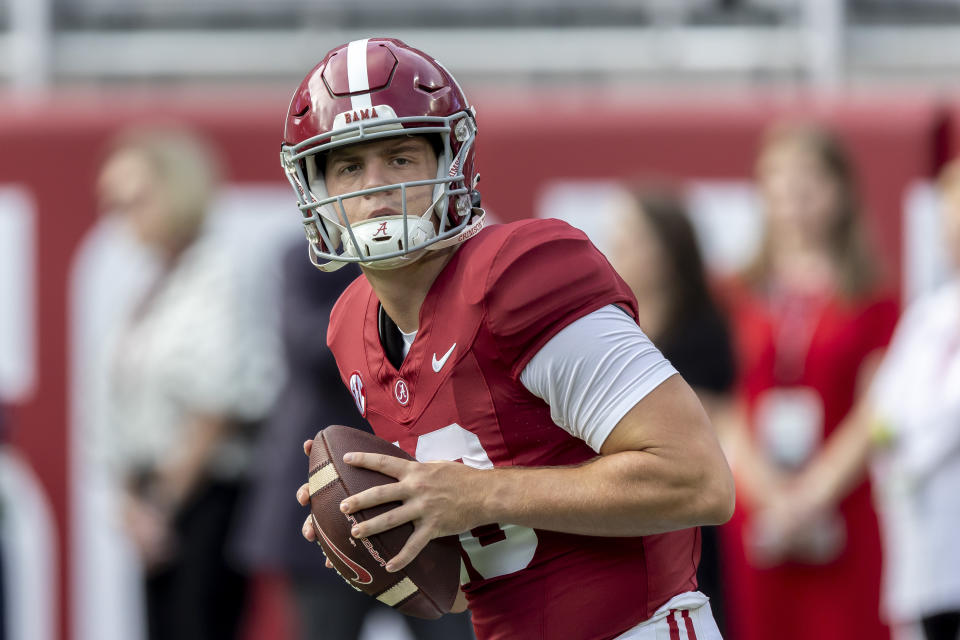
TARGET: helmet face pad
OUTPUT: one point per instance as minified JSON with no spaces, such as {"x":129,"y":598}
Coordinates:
{"x":416,"y":96}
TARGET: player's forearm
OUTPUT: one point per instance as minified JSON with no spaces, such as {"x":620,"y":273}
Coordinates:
{"x":630,"y":493}
{"x":661,"y":469}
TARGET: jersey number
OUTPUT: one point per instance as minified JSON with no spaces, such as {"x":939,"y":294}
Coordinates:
{"x":494,"y":549}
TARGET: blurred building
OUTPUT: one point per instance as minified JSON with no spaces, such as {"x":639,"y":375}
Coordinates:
{"x":606,"y":42}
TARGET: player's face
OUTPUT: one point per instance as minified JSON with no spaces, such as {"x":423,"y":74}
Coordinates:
{"x":801,"y":197}
{"x":128,"y":187}
{"x":379,"y":163}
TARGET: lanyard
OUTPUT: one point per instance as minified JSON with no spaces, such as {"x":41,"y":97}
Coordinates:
{"x":797,"y":318}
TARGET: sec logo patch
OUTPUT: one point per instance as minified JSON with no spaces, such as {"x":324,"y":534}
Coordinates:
{"x":358,"y":393}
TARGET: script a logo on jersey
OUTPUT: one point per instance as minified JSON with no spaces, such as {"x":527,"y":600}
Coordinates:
{"x":358,"y":393}
{"x":401,"y":392}
{"x":360,"y":575}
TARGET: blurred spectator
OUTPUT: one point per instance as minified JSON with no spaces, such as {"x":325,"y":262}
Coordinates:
{"x":3,"y":575}
{"x":655,"y":250}
{"x":28,"y":538}
{"x":809,"y":323}
{"x":910,"y":422}
{"x":192,"y":376}
{"x":312,"y":398}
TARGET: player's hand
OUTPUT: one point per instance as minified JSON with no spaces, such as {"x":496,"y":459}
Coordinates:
{"x":460,"y":603}
{"x":303,"y":497}
{"x":439,"y":498}
{"x":310,"y":535}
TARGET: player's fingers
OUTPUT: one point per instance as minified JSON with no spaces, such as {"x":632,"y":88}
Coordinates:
{"x":303,"y":494}
{"x":391,"y":492}
{"x":307,"y":530}
{"x":329,"y":564}
{"x":307,"y":446}
{"x":388,"y":465}
{"x":415,"y":544}
{"x":460,"y":603}
{"x":383,"y":522}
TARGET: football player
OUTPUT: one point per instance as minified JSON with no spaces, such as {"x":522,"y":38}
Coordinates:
{"x":581,"y":464}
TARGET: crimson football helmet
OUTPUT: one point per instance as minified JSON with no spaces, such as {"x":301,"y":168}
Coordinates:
{"x":368,"y":90}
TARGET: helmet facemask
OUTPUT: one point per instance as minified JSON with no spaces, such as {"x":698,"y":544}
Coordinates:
{"x":386,"y":242}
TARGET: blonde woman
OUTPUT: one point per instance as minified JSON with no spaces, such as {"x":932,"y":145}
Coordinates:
{"x":191,"y":373}
{"x":908,"y":427}
{"x":809,"y":323}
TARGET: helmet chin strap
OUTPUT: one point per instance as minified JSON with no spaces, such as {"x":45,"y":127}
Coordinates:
{"x":330,"y":265}
{"x":471,"y":230}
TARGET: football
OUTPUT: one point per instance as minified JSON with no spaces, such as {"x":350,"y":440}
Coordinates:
{"x":425,"y":588}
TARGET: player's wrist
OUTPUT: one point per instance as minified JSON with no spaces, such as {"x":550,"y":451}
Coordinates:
{"x":493,"y":496}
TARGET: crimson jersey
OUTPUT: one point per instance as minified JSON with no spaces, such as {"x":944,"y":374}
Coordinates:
{"x":458,"y":396}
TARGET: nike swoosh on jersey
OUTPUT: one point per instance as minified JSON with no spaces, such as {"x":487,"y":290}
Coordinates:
{"x":438,"y":364}
{"x":362,"y":575}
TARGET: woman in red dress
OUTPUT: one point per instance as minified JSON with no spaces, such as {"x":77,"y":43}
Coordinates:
{"x":809,"y":325}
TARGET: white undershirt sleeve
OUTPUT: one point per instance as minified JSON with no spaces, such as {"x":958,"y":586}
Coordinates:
{"x":594,"y":371}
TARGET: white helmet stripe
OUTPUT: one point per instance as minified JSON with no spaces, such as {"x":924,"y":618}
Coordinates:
{"x":357,"y":74}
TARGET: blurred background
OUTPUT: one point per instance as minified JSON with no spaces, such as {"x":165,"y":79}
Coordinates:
{"x":572,"y":97}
